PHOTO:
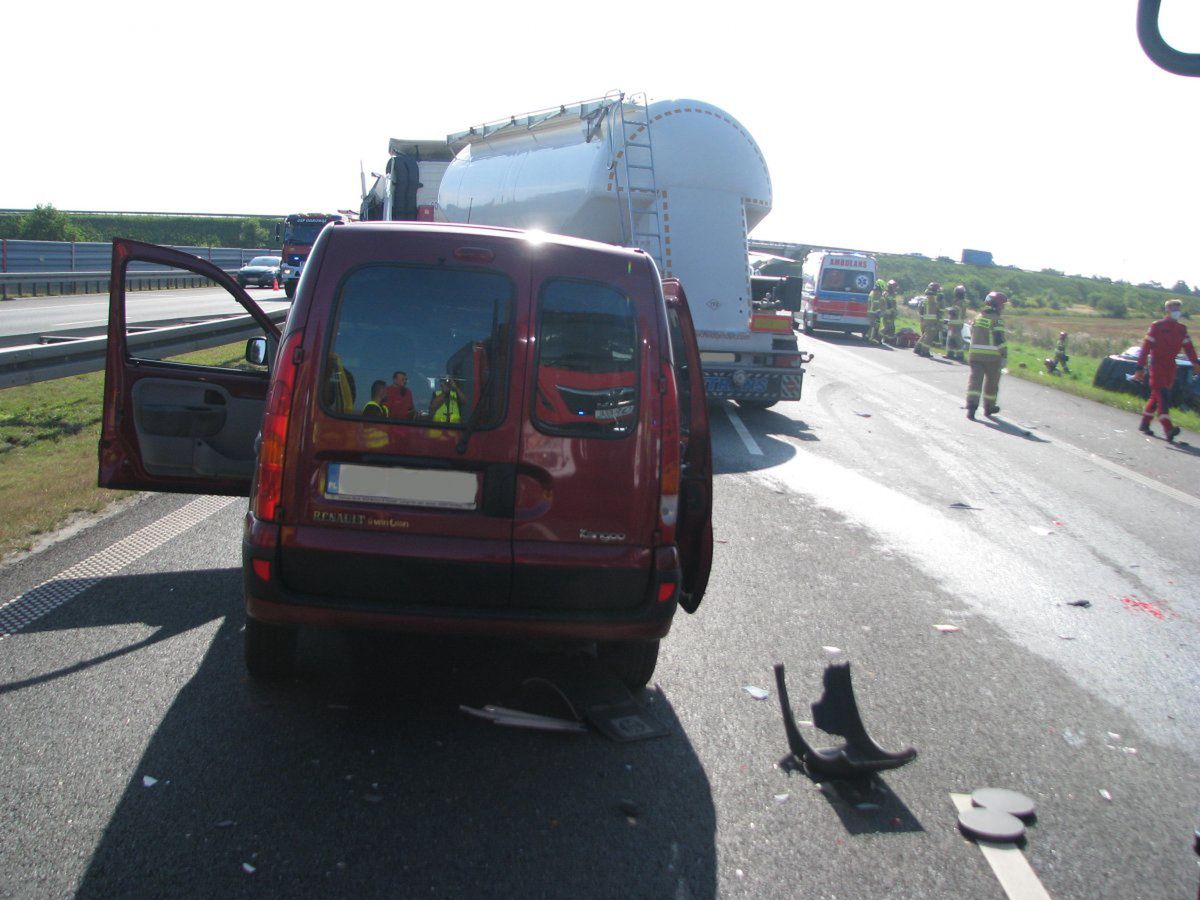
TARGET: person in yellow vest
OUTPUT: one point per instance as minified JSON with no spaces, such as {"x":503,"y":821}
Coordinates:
{"x":988,"y":353}
{"x":955,"y":313}
{"x":875,"y":310}
{"x":375,"y":407}
{"x":930,"y":320}
{"x":446,"y":405}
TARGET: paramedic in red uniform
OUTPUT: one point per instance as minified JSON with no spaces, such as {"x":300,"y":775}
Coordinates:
{"x":399,"y":399}
{"x":1164,"y":341}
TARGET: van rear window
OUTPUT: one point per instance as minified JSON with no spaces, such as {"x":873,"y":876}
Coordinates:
{"x":587,"y":360}
{"x":420,"y":344}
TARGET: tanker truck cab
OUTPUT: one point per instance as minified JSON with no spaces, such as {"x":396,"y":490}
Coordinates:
{"x":836,"y":292}
{"x":566,"y":495}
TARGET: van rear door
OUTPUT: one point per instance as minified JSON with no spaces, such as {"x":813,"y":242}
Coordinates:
{"x":693,"y":533}
{"x":404,"y":500}
{"x":587,"y":479}
{"x":172,"y":423}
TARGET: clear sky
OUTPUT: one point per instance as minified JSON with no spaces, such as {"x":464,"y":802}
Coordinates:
{"x":1035,"y":129}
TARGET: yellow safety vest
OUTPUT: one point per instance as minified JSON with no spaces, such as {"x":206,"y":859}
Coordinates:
{"x":448,"y":411}
{"x":987,"y":335}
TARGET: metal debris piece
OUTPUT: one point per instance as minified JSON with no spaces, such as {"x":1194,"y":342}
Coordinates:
{"x":947,"y":629}
{"x":149,"y":781}
{"x":756,"y":692}
{"x":1106,"y":795}
{"x":516,"y":718}
{"x":837,"y":713}
{"x":1004,"y":800}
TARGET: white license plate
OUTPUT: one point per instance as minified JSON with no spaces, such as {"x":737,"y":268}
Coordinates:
{"x":402,"y":487}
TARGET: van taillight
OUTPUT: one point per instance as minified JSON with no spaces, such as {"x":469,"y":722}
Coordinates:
{"x":668,"y":492}
{"x":269,"y":475}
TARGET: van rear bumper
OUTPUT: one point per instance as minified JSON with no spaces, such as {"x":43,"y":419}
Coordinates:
{"x":270,"y":599}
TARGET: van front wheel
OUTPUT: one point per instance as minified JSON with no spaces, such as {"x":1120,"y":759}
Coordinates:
{"x":270,"y":650}
{"x":632,"y":661}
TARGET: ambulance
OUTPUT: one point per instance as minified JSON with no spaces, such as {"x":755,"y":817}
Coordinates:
{"x":836,"y":290}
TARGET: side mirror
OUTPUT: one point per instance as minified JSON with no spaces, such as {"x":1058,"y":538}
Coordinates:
{"x":256,"y":351}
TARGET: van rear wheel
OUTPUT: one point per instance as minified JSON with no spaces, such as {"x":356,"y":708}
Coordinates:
{"x":632,"y":661}
{"x":756,"y":403}
{"x":270,"y":650}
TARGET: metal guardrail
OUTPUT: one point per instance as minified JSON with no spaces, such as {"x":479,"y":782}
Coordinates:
{"x":28,"y":284}
{"x":43,"y":362}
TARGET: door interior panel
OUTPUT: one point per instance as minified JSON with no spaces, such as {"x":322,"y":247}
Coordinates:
{"x":194,"y":428}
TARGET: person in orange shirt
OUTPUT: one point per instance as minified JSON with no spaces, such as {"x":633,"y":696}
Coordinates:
{"x":399,"y":398}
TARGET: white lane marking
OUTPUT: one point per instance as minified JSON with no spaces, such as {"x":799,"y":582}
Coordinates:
{"x":67,"y":585}
{"x":743,"y":432}
{"x":1012,"y":869}
{"x":1117,"y":469}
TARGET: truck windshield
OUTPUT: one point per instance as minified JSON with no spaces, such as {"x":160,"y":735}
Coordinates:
{"x":302,"y":232}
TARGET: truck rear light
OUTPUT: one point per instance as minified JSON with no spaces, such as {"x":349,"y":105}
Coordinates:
{"x":262,"y":568}
{"x":268,"y":476}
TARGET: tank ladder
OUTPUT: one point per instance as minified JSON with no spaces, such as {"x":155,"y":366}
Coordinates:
{"x":641,"y":208}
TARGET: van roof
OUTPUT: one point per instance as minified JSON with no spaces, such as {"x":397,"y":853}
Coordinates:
{"x":493,"y":231}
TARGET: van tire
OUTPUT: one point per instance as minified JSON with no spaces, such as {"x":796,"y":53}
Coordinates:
{"x":632,"y":661}
{"x":807,"y":324}
{"x":270,"y":651}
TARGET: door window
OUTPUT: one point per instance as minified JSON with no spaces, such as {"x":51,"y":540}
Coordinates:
{"x":420,"y":344}
{"x":587,"y":361}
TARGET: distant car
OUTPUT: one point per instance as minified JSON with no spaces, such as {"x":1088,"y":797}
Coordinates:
{"x":1114,"y":371}
{"x":262,"y":271}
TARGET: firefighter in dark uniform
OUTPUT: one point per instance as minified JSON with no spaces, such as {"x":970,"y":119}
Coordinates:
{"x":930,"y":320}
{"x":955,"y":313}
{"x":987,"y":356}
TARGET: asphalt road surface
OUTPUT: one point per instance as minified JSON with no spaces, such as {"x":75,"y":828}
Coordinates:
{"x":138,"y":760}
{"x":88,"y":313}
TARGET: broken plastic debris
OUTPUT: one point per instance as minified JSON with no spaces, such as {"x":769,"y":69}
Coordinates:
{"x":1075,"y":740}
{"x":1039,"y":531}
{"x":756,"y":692}
{"x":1113,"y":736}
{"x":947,"y":629}
{"x":832,"y":649}
{"x":990,"y":824}
{"x":864,"y":415}
{"x":1012,"y":802}
{"x":248,"y":869}
{"x":961,"y":505}
{"x":226,"y":823}
{"x":866,"y":807}
{"x":149,"y":781}
{"x":1083,"y":604}
{"x":780,"y":798}
{"x":1106,"y":795}
{"x":1130,"y":750}
{"x":1066,"y":637}
{"x":516,"y":718}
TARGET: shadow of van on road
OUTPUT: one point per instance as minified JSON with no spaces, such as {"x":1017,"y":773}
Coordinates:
{"x":767,"y":427}
{"x":362,"y":778}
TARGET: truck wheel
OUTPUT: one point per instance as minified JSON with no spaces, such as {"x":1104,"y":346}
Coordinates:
{"x":757,"y":404}
{"x":632,"y":661}
{"x":270,"y":650}
{"x":289,"y":288}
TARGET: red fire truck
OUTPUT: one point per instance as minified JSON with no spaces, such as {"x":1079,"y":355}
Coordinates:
{"x":298,"y":232}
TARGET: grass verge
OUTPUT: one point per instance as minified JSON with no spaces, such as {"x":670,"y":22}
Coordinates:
{"x":48,"y":452}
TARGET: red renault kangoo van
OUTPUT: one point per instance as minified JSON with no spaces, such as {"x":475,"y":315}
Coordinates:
{"x":459,"y":430}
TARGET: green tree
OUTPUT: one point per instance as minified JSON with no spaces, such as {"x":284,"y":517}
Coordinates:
{"x":253,"y":235}
{"x":45,"y":223}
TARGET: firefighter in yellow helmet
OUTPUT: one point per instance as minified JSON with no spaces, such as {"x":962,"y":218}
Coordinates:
{"x":875,"y":310}
{"x":988,"y":353}
{"x":889,"y":312}
{"x":930,"y":320}
{"x":956,"y":311}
